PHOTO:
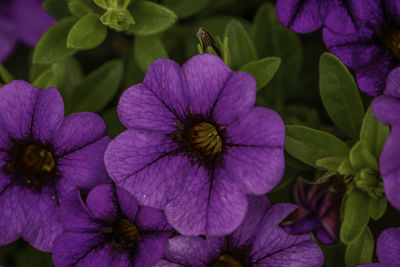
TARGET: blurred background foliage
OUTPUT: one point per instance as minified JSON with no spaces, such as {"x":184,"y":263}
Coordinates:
{"x":92,"y":79}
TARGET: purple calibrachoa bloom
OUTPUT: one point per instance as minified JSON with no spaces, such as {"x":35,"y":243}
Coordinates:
{"x":386,"y":108}
{"x":258,"y":241}
{"x":318,"y":209}
{"x":372,"y":51}
{"x":42,"y":156}
{"x":108,"y":228}
{"x":21,"y":20}
{"x":304,"y":16}
{"x":387,"y":249}
{"x":196,"y":145}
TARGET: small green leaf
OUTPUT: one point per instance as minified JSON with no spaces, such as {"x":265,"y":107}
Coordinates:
{"x":57,"y":8}
{"x":87,"y":33}
{"x":345,"y":168}
{"x":101,"y":3}
{"x":309,"y":145}
{"x":184,"y":8}
{"x":98,"y":88}
{"x":146,"y":49}
{"x":361,"y":250}
{"x":5,"y":75}
{"x":46,"y":79}
{"x":373,"y":133}
{"x":340,"y":95}
{"x":355,"y":216}
{"x":330,"y":163}
{"x":52,"y":46}
{"x":362,"y":158}
{"x":79,"y":8}
{"x":150,"y":18}
{"x":263,"y":70}
{"x":377,"y":208}
{"x":241,"y":47}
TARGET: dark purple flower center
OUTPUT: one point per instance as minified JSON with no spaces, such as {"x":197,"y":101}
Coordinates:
{"x":125,"y":234}
{"x":230,"y":260}
{"x":34,"y":164}
{"x":392,"y":41}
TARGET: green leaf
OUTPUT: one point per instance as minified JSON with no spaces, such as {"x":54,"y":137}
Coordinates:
{"x":330,"y":163}
{"x":184,"y":8}
{"x":377,"y":208}
{"x":79,"y":8}
{"x":88,"y":32}
{"x":309,"y":145}
{"x":150,"y":18}
{"x":57,"y":8}
{"x":361,"y":250}
{"x":146,"y":49}
{"x":362,"y":158}
{"x":340,"y":95}
{"x":5,"y":75}
{"x":271,"y":38}
{"x":345,"y":168}
{"x":263,"y":70}
{"x":98,"y":88}
{"x":101,"y":3}
{"x":373,"y":133}
{"x":241,"y":47}
{"x":355,"y":216}
{"x":114,"y":126}
{"x":52,"y":46}
{"x":46,"y":79}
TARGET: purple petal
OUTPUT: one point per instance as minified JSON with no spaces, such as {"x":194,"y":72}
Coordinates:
{"x":274,"y":247}
{"x":388,"y":246}
{"x":143,"y":163}
{"x":255,"y":155}
{"x":300,"y":221}
{"x":74,"y":214}
{"x":257,"y":207}
{"x":127,"y":203}
{"x":32,"y":20}
{"x":301,"y":16}
{"x":212,"y":87}
{"x":324,"y":237}
{"x":42,"y":216}
{"x":85,"y":166}
{"x":8,"y":41}
{"x":77,"y":131}
{"x":150,"y":249}
{"x":152,"y":220}
{"x":208,"y":203}
{"x":187,"y":251}
{"x":159,"y":102}
{"x":386,"y":109}
{"x":77,"y":249}
{"x":48,"y":114}
{"x":18,"y":99}
{"x":343,"y":16}
{"x":13,"y":219}
{"x":393,"y":83}
{"x":389,"y":164}
{"x":372,"y":78}
{"x":102,"y":202}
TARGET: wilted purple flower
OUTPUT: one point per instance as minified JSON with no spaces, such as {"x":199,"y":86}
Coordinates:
{"x":108,"y":228}
{"x":43,"y":155}
{"x":372,"y":51}
{"x":318,"y":209}
{"x":196,"y":145}
{"x":21,"y":20}
{"x":386,"y":108}
{"x":387,"y":249}
{"x":304,"y":16}
{"x":258,"y":241}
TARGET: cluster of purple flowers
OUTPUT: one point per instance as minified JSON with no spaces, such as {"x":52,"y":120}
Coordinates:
{"x":194,"y":152}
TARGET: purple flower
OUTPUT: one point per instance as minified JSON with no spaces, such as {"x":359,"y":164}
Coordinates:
{"x":387,"y":249}
{"x":373,"y":50}
{"x":304,"y":16}
{"x":43,"y":155}
{"x":21,"y":20}
{"x":258,"y":241}
{"x":196,"y":145}
{"x":108,"y":228}
{"x":318,"y":209}
{"x":387,"y":110}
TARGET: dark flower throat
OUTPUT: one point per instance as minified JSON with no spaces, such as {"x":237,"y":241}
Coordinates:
{"x":392,"y":41}
{"x":228,"y":260}
{"x":125,"y":235}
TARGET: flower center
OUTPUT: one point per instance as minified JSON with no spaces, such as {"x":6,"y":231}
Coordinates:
{"x":392,"y":41}
{"x":205,"y":139}
{"x":226,"y":260}
{"x":125,"y":234}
